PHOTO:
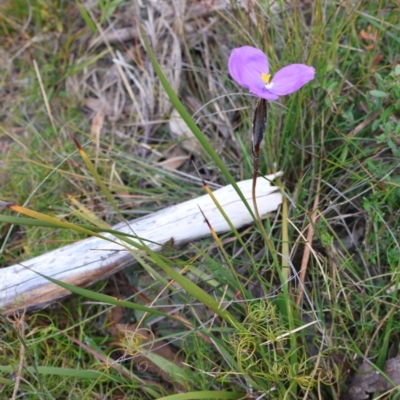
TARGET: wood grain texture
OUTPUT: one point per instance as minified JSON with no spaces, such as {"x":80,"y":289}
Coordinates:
{"x":89,"y":260}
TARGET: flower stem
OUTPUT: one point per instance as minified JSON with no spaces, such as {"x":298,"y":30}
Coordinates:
{"x":259,"y":125}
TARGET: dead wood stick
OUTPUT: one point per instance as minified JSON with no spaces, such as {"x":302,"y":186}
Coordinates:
{"x":89,"y":260}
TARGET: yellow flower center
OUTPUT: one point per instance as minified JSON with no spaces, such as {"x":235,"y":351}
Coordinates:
{"x":265,"y":78}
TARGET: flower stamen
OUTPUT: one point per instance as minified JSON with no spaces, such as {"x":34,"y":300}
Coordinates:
{"x":266,"y":79}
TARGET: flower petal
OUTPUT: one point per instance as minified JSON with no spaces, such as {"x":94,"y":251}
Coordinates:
{"x":291,"y":78}
{"x":246,"y":64}
{"x":264,"y":93}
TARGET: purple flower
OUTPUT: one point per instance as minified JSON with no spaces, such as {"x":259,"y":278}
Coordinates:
{"x":248,"y":66}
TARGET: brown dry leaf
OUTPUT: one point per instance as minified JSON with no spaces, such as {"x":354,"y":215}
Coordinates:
{"x":369,"y":35}
{"x":182,"y":133}
{"x":368,"y":380}
{"x":116,"y":315}
{"x":377,"y":60}
{"x":99,"y":105}
{"x":97,"y":124}
{"x":95,"y":129}
{"x":175,"y":159}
